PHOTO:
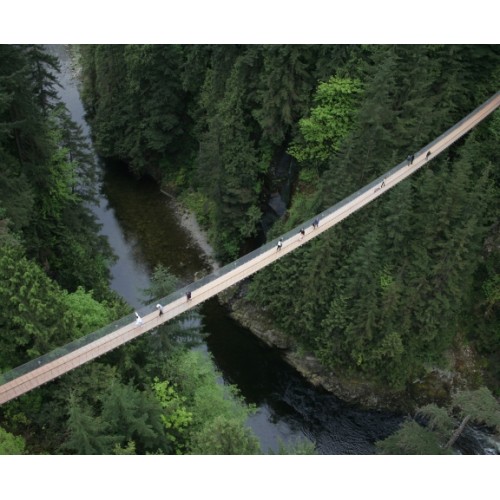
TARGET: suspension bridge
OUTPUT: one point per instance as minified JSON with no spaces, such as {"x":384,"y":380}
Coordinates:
{"x":66,"y":358}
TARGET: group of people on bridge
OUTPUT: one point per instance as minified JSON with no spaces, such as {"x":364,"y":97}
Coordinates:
{"x":411,"y":157}
{"x":279,"y":246}
{"x":302,"y":233}
{"x":138,"y":319}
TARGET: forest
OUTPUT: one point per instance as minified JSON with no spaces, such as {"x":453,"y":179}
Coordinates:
{"x":396,"y":290}
{"x":397,"y":286}
{"x":154,"y":396}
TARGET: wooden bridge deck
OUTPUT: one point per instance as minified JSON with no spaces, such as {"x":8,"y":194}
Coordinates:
{"x":57,"y":367}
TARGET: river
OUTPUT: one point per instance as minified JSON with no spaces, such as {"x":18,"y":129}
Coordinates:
{"x":144,"y":230}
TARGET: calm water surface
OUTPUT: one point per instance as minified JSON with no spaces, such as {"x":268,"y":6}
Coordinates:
{"x":143,"y":231}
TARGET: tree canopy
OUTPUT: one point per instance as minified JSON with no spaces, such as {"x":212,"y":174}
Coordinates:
{"x":383,"y":297}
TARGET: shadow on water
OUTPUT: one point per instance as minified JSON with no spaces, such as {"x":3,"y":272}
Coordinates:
{"x":289,"y":407}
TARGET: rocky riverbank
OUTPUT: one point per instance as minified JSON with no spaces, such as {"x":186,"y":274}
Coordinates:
{"x":462,"y":366}
{"x":359,"y":392}
{"x":188,"y":221}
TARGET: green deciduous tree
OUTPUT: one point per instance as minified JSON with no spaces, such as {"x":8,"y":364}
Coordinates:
{"x":224,"y":436}
{"x":176,"y":418}
{"x":34,"y":318}
{"x":218,"y":414}
{"x":88,"y":312}
{"x":330,"y":120}
{"x":10,"y":444}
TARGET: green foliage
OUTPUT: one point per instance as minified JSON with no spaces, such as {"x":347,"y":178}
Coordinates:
{"x":134,"y":415}
{"x":442,"y":429}
{"x":201,"y":206}
{"x":15,"y":193}
{"x":283,"y":86}
{"x":330,"y":119}
{"x":127,"y":420}
{"x":163,"y":283}
{"x":90,"y":314}
{"x":480,"y":405}
{"x":411,"y":439}
{"x":224,"y":436}
{"x":85,"y":431}
{"x":386,"y":293}
{"x":438,"y":420}
{"x":10,"y":444}
{"x":195,"y":376}
{"x":218,"y":412}
{"x":176,"y":418}
{"x":491,"y":289}
{"x":308,"y":177}
{"x":299,"y":447}
{"x":129,"y":449}
{"x":33,"y":315}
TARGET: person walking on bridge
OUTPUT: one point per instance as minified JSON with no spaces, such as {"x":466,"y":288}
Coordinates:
{"x":302,"y":234}
{"x":138,"y":320}
{"x":315,"y":223}
{"x":280,"y":244}
{"x":160,"y":308}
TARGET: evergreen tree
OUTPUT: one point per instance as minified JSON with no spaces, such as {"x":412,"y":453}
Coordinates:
{"x":44,"y":68}
{"x":388,"y":306}
{"x":283,"y":90}
{"x":411,"y":439}
{"x":442,"y":430}
{"x":133,"y":415}
{"x":85,"y":431}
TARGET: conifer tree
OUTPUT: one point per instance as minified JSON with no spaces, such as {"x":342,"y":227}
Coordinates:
{"x":86,"y":432}
{"x":442,"y":429}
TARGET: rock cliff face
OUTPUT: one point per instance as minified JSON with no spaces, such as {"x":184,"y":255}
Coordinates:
{"x":436,"y":386}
